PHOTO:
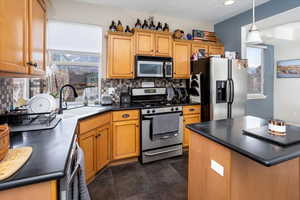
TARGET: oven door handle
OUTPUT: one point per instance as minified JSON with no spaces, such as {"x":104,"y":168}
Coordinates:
{"x":161,"y":152}
{"x":74,"y":174}
{"x":168,"y":136}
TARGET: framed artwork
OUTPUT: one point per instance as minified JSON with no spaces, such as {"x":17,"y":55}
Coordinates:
{"x":288,"y":68}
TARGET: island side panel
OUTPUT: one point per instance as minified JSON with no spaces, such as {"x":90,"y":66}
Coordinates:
{"x":251,"y":180}
{"x":203,"y":182}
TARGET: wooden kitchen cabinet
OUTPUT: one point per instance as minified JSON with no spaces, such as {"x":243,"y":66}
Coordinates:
{"x":126,"y":139}
{"x":87,"y":142}
{"x":153,"y":43}
{"x":216,"y":50}
{"x":181,"y":60}
{"x":22,"y":44}
{"x":103,"y":146}
{"x":95,"y":141}
{"x":196,"y":47}
{"x":191,"y":114}
{"x":37,"y":37}
{"x":14,"y":36}
{"x":120,"y":56}
{"x":163,"y":45}
{"x":145,"y":43}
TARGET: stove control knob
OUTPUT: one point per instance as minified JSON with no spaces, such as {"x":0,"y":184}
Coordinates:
{"x":153,"y":111}
{"x":172,"y":109}
{"x":176,"y":108}
{"x":148,"y":111}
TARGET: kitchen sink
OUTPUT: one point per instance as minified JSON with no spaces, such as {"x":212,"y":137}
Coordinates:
{"x":81,"y":111}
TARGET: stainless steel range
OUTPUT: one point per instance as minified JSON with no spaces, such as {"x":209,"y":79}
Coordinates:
{"x":162,"y":125}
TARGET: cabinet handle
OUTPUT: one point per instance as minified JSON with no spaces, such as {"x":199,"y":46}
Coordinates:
{"x":125,"y":115}
{"x":192,"y":109}
{"x":32,"y":64}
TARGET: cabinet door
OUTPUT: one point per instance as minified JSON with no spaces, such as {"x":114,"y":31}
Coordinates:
{"x":196,"y":47}
{"x":13,"y":36}
{"x":126,"y":139}
{"x":216,"y":50}
{"x":120,"y":56}
{"x":37,"y":37}
{"x":87,"y":143}
{"x":163,"y":45}
{"x":189,"y":119}
{"x":181,"y":59}
{"x":103,"y":147}
{"x":145,"y":43}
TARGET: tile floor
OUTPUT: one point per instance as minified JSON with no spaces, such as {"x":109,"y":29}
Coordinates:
{"x":162,"y":180}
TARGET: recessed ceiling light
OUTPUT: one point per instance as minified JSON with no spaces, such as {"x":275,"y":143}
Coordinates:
{"x":229,"y":2}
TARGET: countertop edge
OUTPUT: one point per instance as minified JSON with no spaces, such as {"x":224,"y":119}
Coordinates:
{"x":267,"y":163}
{"x":31,"y":180}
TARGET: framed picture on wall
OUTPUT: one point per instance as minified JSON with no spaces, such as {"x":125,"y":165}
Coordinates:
{"x":288,"y":68}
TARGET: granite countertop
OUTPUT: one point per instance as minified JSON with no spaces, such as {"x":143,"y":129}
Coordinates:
{"x":51,"y":148}
{"x":228,"y":132}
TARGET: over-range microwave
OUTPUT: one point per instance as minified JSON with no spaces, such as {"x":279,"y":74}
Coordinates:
{"x":154,"y":67}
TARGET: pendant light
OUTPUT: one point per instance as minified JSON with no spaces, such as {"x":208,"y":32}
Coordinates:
{"x":254,"y":36}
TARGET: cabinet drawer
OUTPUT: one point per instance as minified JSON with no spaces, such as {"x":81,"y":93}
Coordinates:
{"x":94,"y":122}
{"x":125,"y":115}
{"x":195,"y":109}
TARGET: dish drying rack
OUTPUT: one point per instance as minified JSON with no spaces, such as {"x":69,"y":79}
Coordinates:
{"x":22,"y":117}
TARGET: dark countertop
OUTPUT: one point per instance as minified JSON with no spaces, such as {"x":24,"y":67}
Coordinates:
{"x":51,"y":148}
{"x":228,"y":132}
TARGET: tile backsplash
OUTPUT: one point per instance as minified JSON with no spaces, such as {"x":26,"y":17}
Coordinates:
{"x":6,"y":93}
{"x":118,"y":84}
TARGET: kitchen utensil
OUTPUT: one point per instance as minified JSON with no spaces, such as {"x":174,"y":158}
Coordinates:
{"x":171,"y":94}
{"x":41,"y":103}
{"x":4,"y":141}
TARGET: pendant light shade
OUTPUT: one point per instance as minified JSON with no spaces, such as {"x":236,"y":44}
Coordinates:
{"x":254,"y":36}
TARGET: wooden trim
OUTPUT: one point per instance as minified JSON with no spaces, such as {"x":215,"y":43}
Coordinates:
{"x":53,"y":189}
{"x":119,"y":33}
{"x":123,"y":161}
{"x":135,"y":30}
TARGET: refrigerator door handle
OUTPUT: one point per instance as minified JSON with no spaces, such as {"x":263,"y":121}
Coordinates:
{"x":232,"y":90}
{"x":228,"y":91}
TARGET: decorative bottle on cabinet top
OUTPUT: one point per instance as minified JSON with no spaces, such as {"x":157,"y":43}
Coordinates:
{"x":138,"y":24}
{"x":120,"y":27}
{"x":113,"y":27}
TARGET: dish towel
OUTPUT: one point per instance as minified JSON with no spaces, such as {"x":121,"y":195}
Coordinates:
{"x":166,"y":123}
{"x":80,"y":190}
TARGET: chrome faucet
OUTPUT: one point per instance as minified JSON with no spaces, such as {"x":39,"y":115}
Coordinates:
{"x":60,"y":109}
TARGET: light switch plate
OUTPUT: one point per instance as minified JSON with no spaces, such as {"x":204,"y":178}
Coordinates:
{"x":217,"y":167}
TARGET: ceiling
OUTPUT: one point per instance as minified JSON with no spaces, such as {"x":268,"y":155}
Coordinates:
{"x":212,"y":11}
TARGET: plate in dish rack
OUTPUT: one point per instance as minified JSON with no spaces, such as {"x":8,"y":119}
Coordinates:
{"x":41,"y":103}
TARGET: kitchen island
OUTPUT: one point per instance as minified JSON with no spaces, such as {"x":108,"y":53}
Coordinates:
{"x":226,"y":164}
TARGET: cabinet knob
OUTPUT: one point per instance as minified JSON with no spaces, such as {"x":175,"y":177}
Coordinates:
{"x":192,"y":109}
{"x":125,"y":115}
{"x":30,"y":63}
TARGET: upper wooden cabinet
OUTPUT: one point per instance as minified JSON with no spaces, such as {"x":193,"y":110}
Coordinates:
{"x":120,"y":56}
{"x":196,"y":47}
{"x":163,"y":45}
{"x":216,"y":50}
{"x":145,"y":43}
{"x":151,"y":43}
{"x":22,"y":31}
{"x":181,"y":60}
{"x":37,"y":37}
{"x":13,"y":36}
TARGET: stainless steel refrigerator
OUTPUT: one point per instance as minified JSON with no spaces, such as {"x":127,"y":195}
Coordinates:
{"x":222,"y":87}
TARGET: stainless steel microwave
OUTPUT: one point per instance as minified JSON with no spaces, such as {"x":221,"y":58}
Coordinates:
{"x":154,"y":67}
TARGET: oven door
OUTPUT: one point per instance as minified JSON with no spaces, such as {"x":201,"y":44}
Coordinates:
{"x":149,"y":142}
{"x":150,"y":69}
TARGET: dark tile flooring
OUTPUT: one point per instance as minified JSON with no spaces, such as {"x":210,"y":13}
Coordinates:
{"x":161,"y":180}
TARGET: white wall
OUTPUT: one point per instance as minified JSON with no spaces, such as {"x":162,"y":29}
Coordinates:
{"x":287,"y":90}
{"x":102,"y":16}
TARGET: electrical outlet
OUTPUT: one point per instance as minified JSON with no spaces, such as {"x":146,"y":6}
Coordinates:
{"x":217,"y":167}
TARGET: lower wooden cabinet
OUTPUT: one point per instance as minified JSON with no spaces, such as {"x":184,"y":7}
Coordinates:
{"x":126,"y":139}
{"x":87,"y":142}
{"x":103,"y":140}
{"x":191,"y":114}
